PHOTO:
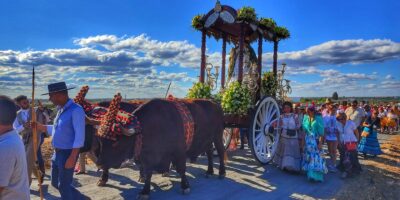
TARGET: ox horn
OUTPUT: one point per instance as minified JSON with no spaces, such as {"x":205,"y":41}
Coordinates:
{"x":107,"y":120}
{"x":80,"y":97}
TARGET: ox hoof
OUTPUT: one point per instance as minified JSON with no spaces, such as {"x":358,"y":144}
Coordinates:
{"x":221,"y":176}
{"x":209,"y":174}
{"x":101,"y":183}
{"x":143,"y":197}
{"x":186,"y":191}
{"x":141,"y":180}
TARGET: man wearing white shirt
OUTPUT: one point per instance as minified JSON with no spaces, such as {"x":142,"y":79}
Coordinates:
{"x":23,"y":128}
{"x":355,"y":114}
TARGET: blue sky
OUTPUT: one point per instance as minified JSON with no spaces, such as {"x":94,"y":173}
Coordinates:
{"x":138,"y":47}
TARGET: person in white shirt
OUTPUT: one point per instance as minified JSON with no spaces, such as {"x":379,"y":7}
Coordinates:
{"x":331,"y":136}
{"x":355,"y":114}
{"x":287,"y":155}
{"x":13,"y":170}
{"x":348,"y":137}
{"x":22,"y":127}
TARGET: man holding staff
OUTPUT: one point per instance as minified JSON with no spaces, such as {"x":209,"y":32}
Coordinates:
{"x":68,"y":133}
{"x":22,"y":126}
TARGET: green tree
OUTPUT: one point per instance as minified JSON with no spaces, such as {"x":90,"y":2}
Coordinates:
{"x":335,"y":96}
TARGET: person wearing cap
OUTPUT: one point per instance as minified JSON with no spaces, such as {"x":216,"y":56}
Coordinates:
{"x":14,"y":182}
{"x":68,"y":133}
{"x":22,"y":126}
{"x":313,"y":162}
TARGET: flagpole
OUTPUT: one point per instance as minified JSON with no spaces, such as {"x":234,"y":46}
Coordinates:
{"x":35,"y":136}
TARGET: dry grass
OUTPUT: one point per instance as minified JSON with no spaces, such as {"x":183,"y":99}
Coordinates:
{"x":381,"y":176}
{"x":47,"y":151}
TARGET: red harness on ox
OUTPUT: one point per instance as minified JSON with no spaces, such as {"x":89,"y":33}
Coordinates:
{"x":188,"y":126}
{"x":122,"y":119}
{"x":187,"y":119}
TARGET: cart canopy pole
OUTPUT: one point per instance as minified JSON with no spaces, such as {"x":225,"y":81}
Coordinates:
{"x":203,"y":56}
{"x":223,"y":61}
{"x":241,"y":43}
{"x":259,"y":67}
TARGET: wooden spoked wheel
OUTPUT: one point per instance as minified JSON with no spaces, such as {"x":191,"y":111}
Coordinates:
{"x":264,"y":130}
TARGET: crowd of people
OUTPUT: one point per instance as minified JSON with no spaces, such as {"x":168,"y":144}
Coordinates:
{"x":349,"y":129}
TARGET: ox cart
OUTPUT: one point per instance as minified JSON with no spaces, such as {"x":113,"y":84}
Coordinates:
{"x":262,"y":119}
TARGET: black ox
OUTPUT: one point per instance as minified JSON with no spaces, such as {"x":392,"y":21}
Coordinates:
{"x":163,"y":140}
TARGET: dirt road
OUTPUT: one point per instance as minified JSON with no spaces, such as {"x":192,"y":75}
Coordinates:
{"x":245,"y":180}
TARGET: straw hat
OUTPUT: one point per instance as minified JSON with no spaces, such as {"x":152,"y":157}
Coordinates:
{"x":328,"y":100}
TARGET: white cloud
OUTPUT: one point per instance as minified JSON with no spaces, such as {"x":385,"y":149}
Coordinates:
{"x":143,"y":83}
{"x":135,"y":64}
{"x":389,"y":77}
{"x":339,"y":52}
{"x":329,"y":73}
{"x":349,"y":84}
{"x":99,"y":39}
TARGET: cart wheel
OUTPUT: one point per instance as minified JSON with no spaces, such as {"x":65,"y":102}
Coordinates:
{"x":264,"y":128}
{"x":227,"y":137}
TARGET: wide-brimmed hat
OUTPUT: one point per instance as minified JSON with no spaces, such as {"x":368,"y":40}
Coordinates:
{"x":57,"y":87}
{"x":328,"y":100}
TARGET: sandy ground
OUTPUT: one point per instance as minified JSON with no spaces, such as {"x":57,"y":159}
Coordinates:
{"x":381,"y":176}
{"x":246,"y":179}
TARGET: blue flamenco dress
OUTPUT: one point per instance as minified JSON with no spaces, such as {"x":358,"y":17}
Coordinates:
{"x":313,"y":162}
{"x":370,"y":144}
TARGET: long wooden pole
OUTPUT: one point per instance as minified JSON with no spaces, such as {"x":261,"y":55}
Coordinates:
{"x":259,"y":65}
{"x":35,"y":136}
{"x":275,"y":59}
{"x":223,"y":62}
{"x":203,"y":56}
{"x":241,"y":51}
